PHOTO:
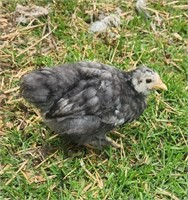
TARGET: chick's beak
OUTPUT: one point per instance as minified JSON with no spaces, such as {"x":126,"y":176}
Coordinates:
{"x":159,"y":85}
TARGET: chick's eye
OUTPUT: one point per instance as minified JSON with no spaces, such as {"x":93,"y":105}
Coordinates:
{"x":148,"y":80}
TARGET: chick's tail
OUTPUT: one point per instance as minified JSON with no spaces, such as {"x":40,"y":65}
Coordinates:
{"x":42,"y":88}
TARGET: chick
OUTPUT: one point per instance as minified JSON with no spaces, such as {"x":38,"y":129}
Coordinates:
{"x":83,"y":101}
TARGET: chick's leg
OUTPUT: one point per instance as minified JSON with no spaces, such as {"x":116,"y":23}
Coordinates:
{"x":118,"y":134}
{"x":112,"y":142}
{"x":101,"y":142}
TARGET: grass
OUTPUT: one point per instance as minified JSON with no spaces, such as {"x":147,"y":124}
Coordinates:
{"x":35,"y":163}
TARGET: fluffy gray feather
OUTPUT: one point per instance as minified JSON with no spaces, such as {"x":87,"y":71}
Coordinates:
{"x":85,"y":100}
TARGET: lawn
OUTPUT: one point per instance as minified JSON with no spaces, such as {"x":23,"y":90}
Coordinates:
{"x":153,"y":163}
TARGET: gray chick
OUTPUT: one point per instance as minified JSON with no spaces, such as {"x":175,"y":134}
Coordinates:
{"x":83,"y":101}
